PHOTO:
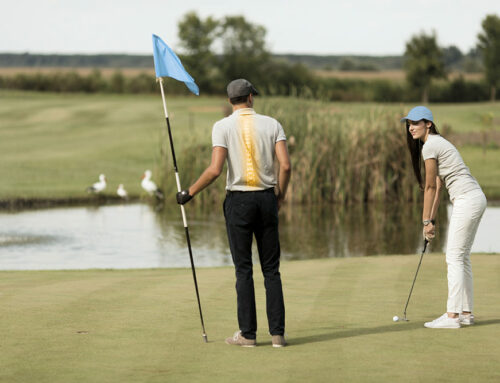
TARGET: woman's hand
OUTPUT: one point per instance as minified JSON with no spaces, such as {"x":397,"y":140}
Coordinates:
{"x":429,"y":232}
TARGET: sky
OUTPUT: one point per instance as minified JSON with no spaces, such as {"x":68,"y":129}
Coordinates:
{"x":378,"y":27}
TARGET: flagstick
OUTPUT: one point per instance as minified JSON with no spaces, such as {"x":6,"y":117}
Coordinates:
{"x":186,"y":228}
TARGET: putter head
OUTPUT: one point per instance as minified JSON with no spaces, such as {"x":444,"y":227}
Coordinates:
{"x":205,"y":338}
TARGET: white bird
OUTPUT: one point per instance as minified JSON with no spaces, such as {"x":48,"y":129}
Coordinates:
{"x":149,"y":185}
{"x":122,"y":192}
{"x":98,"y":186}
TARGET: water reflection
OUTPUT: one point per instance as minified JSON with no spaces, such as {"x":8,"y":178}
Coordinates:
{"x":138,"y":236}
{"x":317,"y":231}
{"x":356,"y":230}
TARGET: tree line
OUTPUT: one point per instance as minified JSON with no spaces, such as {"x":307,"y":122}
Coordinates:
{"x":215,"y":51}
{"x":424,"y":59}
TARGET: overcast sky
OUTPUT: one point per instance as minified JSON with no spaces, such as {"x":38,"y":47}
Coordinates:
{"x":375,"y":27}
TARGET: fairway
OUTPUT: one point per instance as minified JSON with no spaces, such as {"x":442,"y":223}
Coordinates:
{"x":143,"y":325}
{"x":55,"y":145}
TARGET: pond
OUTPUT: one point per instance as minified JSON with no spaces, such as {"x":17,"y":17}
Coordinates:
{"x":139,"y":236}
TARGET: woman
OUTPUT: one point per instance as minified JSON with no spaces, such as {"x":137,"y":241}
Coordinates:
{"x":443,"y":163}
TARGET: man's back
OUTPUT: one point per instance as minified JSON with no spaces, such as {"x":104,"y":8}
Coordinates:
{"x":250,"y":140}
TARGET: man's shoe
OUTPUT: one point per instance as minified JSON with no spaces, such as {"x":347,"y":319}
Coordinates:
{"x":466,"y":319}
{"x":443,"y":322}
{"x":279,"y":341}
{"x":239,"y":340}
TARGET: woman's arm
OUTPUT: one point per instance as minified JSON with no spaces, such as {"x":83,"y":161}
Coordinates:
{"x":430,"y":196}
{"x":430,"y":188}
{"x":437,"y":198}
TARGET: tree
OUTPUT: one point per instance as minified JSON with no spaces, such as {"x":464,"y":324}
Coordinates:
{"x":489,"y":46}
{"x":197,"y":37}
{"x":452,"y":56}
{"x":243,"y":49}
{"x":472,"y":61}
{"x":347,"y":64}
{"x":423,"y":62}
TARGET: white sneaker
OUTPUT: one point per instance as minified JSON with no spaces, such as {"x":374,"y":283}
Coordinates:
{"x":443,"y":322}
{"x":466,"y":319}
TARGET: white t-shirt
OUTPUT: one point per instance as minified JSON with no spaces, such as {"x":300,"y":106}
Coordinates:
{"x":250,"y":139}
{"x":451,"y":168}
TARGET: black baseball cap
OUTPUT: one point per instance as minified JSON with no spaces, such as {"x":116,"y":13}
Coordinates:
{"x":241,"y":87}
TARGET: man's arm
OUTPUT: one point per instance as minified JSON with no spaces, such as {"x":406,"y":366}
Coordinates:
{"x":219,"y":155}
{"x":285,"y":170}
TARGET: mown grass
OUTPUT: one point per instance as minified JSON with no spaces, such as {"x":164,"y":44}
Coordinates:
{"x":55,"y":145}
{"x":143,"y":325}
{"x":485,"y":167}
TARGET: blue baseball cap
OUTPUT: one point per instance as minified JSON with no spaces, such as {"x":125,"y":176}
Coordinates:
{"x":419,"y":113}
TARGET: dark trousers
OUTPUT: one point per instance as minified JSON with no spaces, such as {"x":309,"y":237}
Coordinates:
{"x":248,"y":214}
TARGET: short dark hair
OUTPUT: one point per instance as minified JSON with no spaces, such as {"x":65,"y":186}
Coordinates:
{"x":239,"y":100}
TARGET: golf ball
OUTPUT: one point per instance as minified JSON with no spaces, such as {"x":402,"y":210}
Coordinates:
{"x":395,"y":318}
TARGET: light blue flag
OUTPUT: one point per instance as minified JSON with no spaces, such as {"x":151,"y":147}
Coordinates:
{"x":167,"y":64}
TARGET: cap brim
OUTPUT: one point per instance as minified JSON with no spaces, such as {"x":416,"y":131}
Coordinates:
{"x":404,"y":119}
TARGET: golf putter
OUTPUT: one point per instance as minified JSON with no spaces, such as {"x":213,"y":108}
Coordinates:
{"x":414,"y":279}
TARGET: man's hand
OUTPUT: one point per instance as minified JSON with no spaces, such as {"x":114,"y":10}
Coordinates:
{"x":280,"y":202}
{"x":183,"y":197}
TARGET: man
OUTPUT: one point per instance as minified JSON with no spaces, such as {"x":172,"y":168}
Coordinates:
{"x":251,"y":143}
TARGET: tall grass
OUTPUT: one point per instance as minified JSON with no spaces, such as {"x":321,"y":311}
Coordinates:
{"x":340,"y":158}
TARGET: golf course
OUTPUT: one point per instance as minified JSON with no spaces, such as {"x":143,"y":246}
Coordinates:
{"x":264,"y":192}
{"x":142,"y":325}
{"x":55,"y":146}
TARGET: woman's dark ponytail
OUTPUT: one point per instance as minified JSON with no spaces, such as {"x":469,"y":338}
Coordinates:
{"x":415,"y":148}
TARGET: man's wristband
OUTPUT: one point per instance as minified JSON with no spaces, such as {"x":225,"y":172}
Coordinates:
{"x":427,"y":221}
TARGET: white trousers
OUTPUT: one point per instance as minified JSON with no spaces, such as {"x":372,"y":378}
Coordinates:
{"x":467,"y":211}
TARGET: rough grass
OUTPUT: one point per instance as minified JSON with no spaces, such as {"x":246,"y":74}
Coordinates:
{"x":83,"y":71}
{"x":394,"y":75}
{"x":143,"y":325}
{"x":55,"y":145}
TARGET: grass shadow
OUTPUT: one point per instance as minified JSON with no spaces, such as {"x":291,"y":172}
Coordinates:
{"x":324,"y":337}
{"x":486,"y":322}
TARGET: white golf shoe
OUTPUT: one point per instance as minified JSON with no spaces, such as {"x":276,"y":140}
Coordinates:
{"x":443,"y":322}
{"x":466,"y":319}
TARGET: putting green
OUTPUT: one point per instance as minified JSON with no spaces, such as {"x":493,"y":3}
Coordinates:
{"x":143,"y":325}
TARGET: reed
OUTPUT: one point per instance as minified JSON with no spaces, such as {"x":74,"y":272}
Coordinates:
{"x":345,"y":158}
{"x":336,"y":157}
